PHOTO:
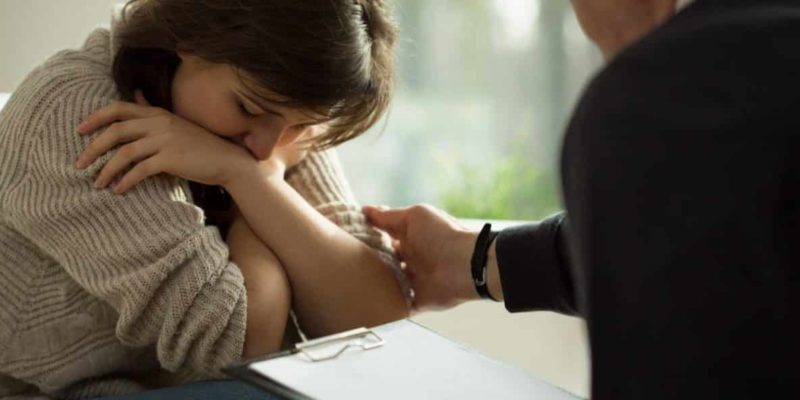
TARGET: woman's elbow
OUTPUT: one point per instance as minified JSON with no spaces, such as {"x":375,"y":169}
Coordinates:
{"x":268,"y":304}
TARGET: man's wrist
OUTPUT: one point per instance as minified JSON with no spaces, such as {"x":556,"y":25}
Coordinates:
{"x":462,"y":271}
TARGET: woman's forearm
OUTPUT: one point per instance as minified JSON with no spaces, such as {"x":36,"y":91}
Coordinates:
{"x":337,"y":281}
{"x":268,"y":290}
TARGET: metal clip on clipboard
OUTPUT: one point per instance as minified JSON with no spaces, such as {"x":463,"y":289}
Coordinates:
{"x":330,"y":347}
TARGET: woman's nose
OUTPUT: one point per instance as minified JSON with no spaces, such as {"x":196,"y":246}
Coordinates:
{"x":261,"y":141}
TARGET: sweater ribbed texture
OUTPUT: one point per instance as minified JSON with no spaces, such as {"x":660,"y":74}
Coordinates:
{"x":102,"y":294}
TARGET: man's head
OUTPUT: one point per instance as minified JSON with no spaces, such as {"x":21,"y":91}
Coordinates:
{"x":615,"y":24}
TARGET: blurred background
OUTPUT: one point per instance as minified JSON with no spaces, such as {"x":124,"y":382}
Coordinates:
{"x":484,"y":92}
{"x":485,"y":88}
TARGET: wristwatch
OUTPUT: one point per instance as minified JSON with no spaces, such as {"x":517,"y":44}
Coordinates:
{"x":478,"y":261}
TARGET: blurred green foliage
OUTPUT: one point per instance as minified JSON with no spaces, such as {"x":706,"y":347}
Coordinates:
{"x":507,"y":189}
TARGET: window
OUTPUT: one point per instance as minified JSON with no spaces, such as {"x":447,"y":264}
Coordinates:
{"x":484,"y":91}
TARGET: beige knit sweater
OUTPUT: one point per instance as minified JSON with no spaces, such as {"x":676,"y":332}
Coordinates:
{"x":103,"y":294}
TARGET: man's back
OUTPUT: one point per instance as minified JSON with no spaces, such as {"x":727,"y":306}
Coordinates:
{"x":681,"y":178}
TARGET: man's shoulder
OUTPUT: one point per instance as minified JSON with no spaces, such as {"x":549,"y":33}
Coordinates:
{"x":718,"y":35}
{"x":710,"y":67}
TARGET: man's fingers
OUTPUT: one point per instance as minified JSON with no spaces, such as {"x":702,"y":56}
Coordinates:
{"x":393,"y":221}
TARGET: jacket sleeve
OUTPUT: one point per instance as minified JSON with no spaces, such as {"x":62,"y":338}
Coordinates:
{"x":534,"y":266}
{"x":146,"y":253}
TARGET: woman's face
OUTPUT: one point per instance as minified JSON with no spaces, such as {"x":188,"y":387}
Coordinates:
{"x":214,"y":97}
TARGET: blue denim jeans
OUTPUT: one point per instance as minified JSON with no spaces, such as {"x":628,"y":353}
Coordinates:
{"x":206,"y":390}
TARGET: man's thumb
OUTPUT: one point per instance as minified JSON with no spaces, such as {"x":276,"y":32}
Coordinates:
{"x":392,"y":221}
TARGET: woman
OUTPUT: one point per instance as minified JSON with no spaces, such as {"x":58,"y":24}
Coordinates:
{"x":115,"y":290}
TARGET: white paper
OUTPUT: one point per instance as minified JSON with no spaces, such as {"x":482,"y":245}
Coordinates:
{"x":415,"y":363}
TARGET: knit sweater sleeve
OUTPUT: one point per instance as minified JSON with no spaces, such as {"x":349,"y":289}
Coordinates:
{"x":146,"y":253}
{"x":320,"y":179}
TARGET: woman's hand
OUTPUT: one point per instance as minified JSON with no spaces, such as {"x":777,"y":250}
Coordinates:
{"x":154,"y":140}
{"x":285,"y":157}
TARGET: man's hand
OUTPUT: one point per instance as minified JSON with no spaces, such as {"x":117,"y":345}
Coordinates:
{"x":436,"y":251}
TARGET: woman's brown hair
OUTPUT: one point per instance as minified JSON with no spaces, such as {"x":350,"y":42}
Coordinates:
{"x":331,"y":55}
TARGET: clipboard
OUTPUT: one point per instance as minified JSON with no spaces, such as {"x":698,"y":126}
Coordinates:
{"x":399,"y":360}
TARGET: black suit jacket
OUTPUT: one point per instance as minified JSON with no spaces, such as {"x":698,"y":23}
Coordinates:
{"x":681,"y":179}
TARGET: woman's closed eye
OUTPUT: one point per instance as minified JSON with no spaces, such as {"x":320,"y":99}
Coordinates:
{"x":245,"y":111}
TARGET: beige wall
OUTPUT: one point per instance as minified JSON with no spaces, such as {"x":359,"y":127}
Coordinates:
{"x":550,"y":346}
{"x":32,"y":30}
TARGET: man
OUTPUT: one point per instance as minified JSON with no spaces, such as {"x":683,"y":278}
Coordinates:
{"x":680,"y":174}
